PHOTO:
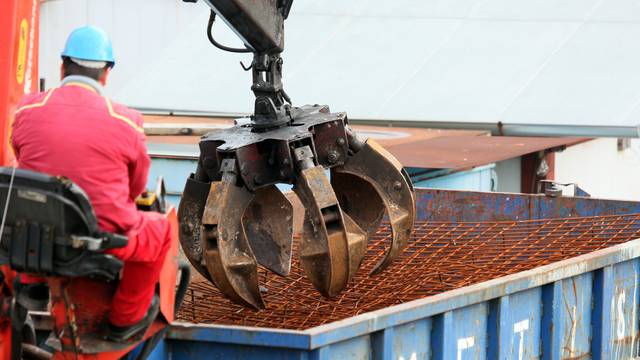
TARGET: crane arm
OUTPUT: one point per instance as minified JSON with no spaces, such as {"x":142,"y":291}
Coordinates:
{"x":259,"y":23}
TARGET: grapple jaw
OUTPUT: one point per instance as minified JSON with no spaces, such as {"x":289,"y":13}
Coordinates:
{"x":268,"y":222}
{"x":234,"y":219}
{"x":379,"y":176}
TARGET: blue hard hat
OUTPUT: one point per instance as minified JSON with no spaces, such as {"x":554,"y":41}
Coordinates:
{"x":89,"y":43}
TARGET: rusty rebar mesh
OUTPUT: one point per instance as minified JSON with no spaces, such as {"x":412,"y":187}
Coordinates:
{"x":440,"y":257}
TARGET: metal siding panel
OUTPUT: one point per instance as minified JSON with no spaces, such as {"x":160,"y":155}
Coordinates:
{"x":615,"y":314}
{"x":620,"y":310}
{"x":396,"y":8}
{"x":539,"y":10}
{"x":437,"y":337}
{"x":183,"y":350}
{"x":618,"y":10}
{"x":101,"y":13}
{"x":174,"y":171}
{"x":57,"y":19}
{"x":374,"y":36}
{"x":493,"y":329}
{"x":411,"y":341}
{"x":462,"y":333}
{"x":519,"y":325}
{"x":382,"y":344}
{"x":160,"y":352}
{"x":358,"y":348}
{"x":455,"y":206}
{"x":567,"y":325}
{"x":474,"y":180}
{"x":257,"y":337}
{"x":475,"y":75}
{"x":546,"y":333}
{"x":601,"y":337}
{"x":607,"y":60}
{"x":547,"y":207}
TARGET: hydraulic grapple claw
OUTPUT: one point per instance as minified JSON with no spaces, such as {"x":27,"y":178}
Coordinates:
{"x":377,"y":169}
{"x":332,"y":245}
{"x":268,"y":223}
{"x":234,"y":218}
{"x":358,"y":198}
{"x":192,"y":204}
{"x":227,"y":253}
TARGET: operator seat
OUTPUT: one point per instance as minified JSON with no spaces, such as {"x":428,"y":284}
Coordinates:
{"x":51,"y":231}
{"x":50,"y":228}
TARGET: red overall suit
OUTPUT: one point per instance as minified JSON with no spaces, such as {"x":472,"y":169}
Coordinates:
{"x":75,"y":132}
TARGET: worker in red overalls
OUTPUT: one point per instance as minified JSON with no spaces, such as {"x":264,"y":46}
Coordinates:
{"x":76,"y":132}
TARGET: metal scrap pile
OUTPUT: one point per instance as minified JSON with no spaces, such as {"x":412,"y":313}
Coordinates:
{"x":440,"y":257}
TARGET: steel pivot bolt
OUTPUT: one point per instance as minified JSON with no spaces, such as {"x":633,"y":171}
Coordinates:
{"x":397,"y":185}
{"x":332,"y":157}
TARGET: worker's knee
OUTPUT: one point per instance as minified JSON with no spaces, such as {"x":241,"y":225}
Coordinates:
{"x":160,"y":229}
{"x":152,"y":241}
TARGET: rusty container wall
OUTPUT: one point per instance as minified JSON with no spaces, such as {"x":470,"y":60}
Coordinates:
{"x":590,"y":304}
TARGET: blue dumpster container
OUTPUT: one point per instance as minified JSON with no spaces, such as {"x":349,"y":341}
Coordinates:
{"x":581,"y":308}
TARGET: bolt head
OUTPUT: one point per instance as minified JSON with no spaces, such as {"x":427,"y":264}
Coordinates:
{"x":332,"y":157}
{"x":340,"y":141}
{"x":397,"y":185}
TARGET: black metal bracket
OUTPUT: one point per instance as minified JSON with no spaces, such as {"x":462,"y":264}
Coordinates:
{"x":272,"y":105}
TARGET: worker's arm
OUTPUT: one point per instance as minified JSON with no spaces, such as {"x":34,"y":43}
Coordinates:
{"x":16,"y":133}
{"x":14,"y":143}
{"x":139,"y":166}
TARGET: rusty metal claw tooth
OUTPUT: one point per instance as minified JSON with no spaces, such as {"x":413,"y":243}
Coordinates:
{"x":192,"y":204}
{"x":269,"y":227}
{"x":377,"y":169}
{"x":357,"y":242}
{"x":332,"y":245}
{"x":227,"y":254}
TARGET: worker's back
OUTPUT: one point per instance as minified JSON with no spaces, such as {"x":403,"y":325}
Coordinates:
{"x":75,"y":132}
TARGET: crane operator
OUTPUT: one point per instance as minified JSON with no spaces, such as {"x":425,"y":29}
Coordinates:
{"x":76,"y":132}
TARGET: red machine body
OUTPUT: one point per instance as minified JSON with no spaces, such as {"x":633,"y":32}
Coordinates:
{"x":5,"y":306}
{"x":79,"y":306}
{"x":18,"y":76}
{"x":18,"y":62}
